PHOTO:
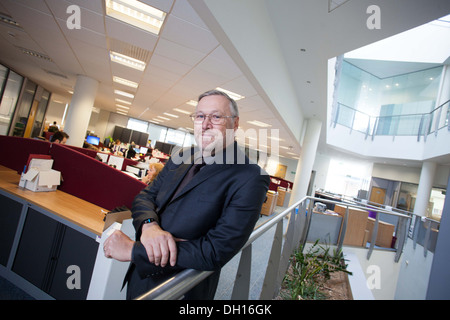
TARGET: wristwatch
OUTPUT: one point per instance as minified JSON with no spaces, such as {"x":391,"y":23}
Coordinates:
{"x":149,"y":220}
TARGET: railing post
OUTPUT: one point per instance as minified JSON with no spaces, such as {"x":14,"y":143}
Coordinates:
{"x":374,"y":236}
{"x":416,"y":231}
{"x":343,"y":230}
{"x":427,"y":238}
{"x":269,"y":290}
{"x":242,"y":283}
{"x":401,"y":237}
{"x":287,"y":248}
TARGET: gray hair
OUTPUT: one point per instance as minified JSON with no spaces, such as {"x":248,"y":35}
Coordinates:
{"x":233,"y":105}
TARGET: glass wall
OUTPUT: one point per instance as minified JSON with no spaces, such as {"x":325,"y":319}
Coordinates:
{"x":398,"y":105}
{"x":9,"y":97}
{"x":168,"y":135}
{"x":38,"y":124}
{"x":23,"y":109}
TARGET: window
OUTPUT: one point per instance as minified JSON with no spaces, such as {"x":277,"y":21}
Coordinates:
{"x":137,"y":125}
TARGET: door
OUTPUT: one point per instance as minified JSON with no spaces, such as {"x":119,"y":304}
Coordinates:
{"x":377,"y":195}
{"x":281,"y":171}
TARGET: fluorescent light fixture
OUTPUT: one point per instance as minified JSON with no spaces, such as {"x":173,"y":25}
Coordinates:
{"x":192,"y":103}
{"x":122,"y":101}
{"x":122,"y":112}
{"x":160,"y":117}
{"x":125,"y":82}
{"x":171,"y":115}
{"x":154,"y":121}
{"x":182,"y":111}
{"x":121,"y":106}
{"x":127,"y":61}
{"x":125,"y":94}
{"x":259,"y":123}
{"x":136,"y":13}
{"x":158,"y":120}
{"x":232,"y":95}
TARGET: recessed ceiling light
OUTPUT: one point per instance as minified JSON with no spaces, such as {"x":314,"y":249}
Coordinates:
{"x":192,"y":103}
{"x":127,"y":61}
{"x":232,"y":95}
{"x":125,"y":82}
{"x":259,"y":123}
{"x":123,"y":93}
{"x":171,"y":115}
{"x":122,"y":101}
{"x":136,"y":13}
{"x":182,"y":111}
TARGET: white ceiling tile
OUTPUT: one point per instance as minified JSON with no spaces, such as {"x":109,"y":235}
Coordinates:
{"x":88,"y":19}
{"x":129,"y":34}
{"x":184,"y":11}
{"x":163,"y":5}
{"x":188,"y":35}
{"x":168,"y":64}
{"x":178,"y":52}
{"x":94,"y":6}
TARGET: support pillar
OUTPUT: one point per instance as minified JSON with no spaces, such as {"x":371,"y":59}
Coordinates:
{"x":80,"y":109}
{"x":306,"y":161}
{"x":425,"y":186}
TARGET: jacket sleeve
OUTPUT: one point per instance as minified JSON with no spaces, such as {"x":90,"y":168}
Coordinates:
{"x":145,"y":203}
{"x":213,"y":250}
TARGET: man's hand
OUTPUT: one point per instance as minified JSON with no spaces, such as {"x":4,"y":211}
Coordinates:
{"x":159,"y":244}
{"x":118,"y":246}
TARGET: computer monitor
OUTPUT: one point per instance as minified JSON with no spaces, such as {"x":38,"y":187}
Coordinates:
{"x":93,"y":140}
{"x":143,"y":150}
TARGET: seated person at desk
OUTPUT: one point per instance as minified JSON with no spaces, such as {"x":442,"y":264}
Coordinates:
{"x":116,"y":148}
{"x":53,"y":127}
{"x":59,"y":137}
{"x":153,"y":171}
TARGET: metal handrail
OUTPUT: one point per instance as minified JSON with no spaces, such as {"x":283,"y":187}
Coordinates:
{"x":297,"y":232}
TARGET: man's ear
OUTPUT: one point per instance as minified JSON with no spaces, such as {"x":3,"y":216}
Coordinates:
{"x":236,"y":123}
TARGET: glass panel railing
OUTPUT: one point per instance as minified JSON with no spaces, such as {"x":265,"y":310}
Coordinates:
{"x":420,"y":124}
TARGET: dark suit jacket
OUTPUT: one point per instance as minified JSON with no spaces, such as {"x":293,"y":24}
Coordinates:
{"x":216,"y":213}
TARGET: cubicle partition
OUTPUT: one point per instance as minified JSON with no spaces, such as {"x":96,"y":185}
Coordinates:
{"x":15,"y":151}
{"x":93,"y":180}
{"x":82,"y":175}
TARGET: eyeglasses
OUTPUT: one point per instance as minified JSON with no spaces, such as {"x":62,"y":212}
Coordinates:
{"x":214,"y":118}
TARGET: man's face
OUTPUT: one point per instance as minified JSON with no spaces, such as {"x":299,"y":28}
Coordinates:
{"x":211,"y":136}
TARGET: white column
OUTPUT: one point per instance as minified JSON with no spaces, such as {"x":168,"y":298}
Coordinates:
{"x":425,"y":186}
{"x":80,"y":109}
{"x":306,"y":161}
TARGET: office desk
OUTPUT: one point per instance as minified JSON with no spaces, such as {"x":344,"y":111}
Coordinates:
{"x":42,"y":235}
{"x":82,"y":213}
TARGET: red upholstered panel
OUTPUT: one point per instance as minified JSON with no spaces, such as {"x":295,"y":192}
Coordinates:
{"x":278,"y":182}
{"x":93,"y":180}
{"x":88,"y":152}
{"x":15,"y":150}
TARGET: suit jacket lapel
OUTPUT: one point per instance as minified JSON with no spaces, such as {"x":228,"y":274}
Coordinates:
{"x":205,"y":173}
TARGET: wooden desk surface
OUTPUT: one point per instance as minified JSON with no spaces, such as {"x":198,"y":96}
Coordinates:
{"x":73,"y":209}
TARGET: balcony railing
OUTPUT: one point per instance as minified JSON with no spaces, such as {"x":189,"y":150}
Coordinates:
{"x":420,"y":125}
{"x":282,"y":247}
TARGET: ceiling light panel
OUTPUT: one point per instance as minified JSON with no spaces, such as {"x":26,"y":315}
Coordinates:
{"x":125,"y":94}
{"x":136,"y":13}
{"x":127,"y":61}
{"x":232,"y":95}
{"x":125,"y":82}
{"x":259,"y":124}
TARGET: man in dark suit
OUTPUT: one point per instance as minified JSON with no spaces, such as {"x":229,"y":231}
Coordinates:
{"x":198,"y":223}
